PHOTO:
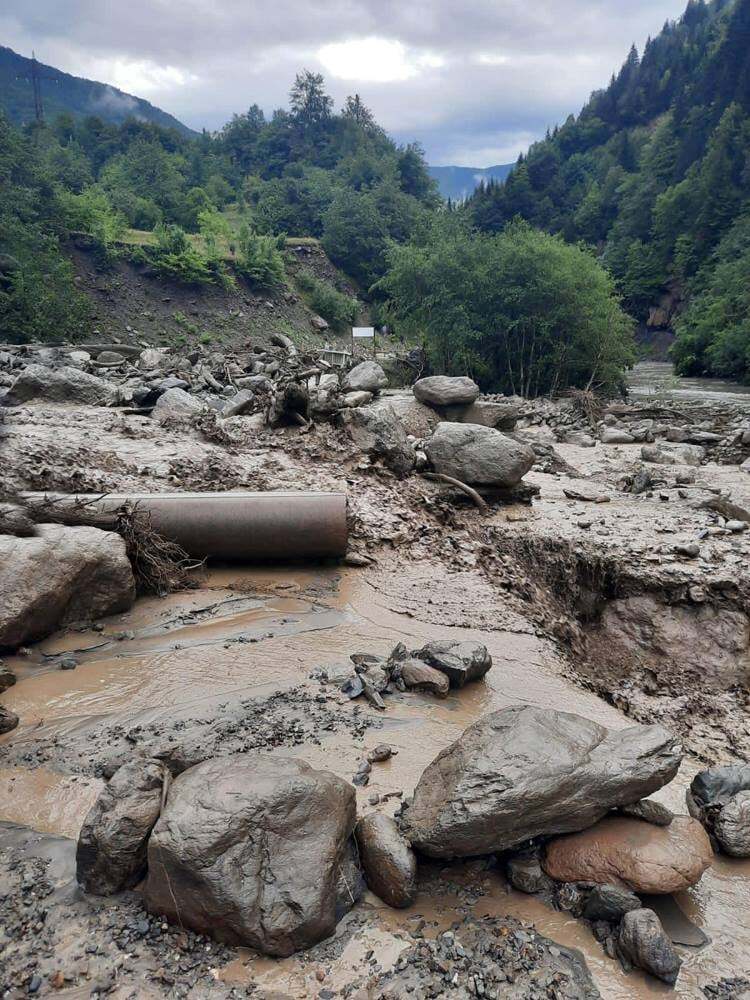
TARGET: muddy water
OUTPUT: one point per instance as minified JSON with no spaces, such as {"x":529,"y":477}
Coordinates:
{"x":247,"y":633}
{"x":658,"y":378}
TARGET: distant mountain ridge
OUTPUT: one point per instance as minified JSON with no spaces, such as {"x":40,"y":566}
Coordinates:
{"x":459,"y":183}
{"x":74,"y":95}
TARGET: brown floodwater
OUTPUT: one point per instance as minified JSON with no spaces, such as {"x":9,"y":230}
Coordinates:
{"x":247,"y":633}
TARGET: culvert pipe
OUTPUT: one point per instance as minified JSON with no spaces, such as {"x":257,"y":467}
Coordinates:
{"x":231,"y":527}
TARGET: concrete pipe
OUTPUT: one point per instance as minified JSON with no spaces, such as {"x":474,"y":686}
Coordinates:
{"x":245,"y":527}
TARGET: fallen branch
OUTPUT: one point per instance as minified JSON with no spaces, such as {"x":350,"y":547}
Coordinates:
{"x":450,"y":481}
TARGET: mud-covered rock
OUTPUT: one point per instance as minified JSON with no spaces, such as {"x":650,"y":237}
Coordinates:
{"x":444,"y":390}
{"x":8,"y":720}
{"x":526,"y":874}
{"x":478,"y":455}
{"x":610,"y":903}
{"x":501,"y":416}
{"x":649,"y":811}
{"x":645,"y":944}
{"x":14,"y":520}
{"x":249,"y":849}
{"x":721,"y":790}
{"x":7,"y":677}
{"x":389,"y":863}
{"x":673,"y":454}
{"x":461,"y":662}
{"x":421,"y":677}
{"x":418,"y":420}
{"x":732,"y":826}
{"x":367,"y":376}
{"x":628,"y":852}
{"x":111,"y":853}
{"x":176,"y":404}
{"x":380,"y":434}
{"x":60,"y":385}
{"x":61,"y":575}
{"x":525,"y":771}
{"x":614,"y":435}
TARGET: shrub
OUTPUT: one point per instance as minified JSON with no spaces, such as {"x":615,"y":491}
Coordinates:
{"x":259,"y":259}
{"x":338,"y":309}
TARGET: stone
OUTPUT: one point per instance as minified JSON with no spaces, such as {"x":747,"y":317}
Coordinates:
{"x":478,"y":455}
{"x":367,"y":376}
{"x":360,"y":398}
{"x":526,"y":874}
{"x":461,"y":662}
{"x":250,"y":849}
{"x":380,"y":434}
{"x":112,"y":358}
{"x":60,"y":576}
{"x":389,"y":863}
{"x":318,"y":323}
{"x":523,"y":772}
{"x":673,"y":454}
{"x":60,"y":385}
{"x":8,"y":720}
{"x":151,"y":357}
{"x":613,"y":435}
{"x":644,"y":943}
{"x":610,"y":903}
{"x":628,"y":852}
{"x":176,"y":404}
{"x":721,"y":790}
{"x":7,"y":677}
{"x":732,"y":826}
{"x":443,"y":390}
{"x":418,"y":420}
{"x":14,"y":520}
{"x":580,"y":439}
{"x":745,"y":467}
{"x":421,"y":677}
{"x":111,"y":853}
{"x":649,"y":811}
{"x":501,"y":416}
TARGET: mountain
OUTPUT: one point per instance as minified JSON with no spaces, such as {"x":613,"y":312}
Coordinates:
{"x":459,"y":183}
{"x":655,"y":174}
{"x":62,"y":93}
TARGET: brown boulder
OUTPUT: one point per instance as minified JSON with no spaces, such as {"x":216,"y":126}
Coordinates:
{"x":632,"y":853}
{"x":421,"y":677}
{"x":389,"y":864}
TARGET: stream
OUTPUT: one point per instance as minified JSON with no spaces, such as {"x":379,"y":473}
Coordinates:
{"x":657,"y":380}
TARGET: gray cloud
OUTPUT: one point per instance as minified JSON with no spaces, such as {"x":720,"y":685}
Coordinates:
{"x":474,"y":82}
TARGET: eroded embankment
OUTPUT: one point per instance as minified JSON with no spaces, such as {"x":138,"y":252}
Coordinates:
{"x":659,"y":647}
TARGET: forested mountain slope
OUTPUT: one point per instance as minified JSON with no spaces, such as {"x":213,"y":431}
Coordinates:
{"x":62,"y":93}
{"x":655,"y":172}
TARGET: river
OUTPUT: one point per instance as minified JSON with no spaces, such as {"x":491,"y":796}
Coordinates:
{"x":657,"y":379}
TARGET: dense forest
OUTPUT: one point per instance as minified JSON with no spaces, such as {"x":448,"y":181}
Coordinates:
{"x":655,"y":172}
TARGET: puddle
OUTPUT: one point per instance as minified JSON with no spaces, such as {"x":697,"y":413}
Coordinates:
{"x":249,"y":632}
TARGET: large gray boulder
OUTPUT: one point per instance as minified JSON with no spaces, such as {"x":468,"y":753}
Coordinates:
{"x":111,"y":853}
{"x":501,"y":416}
{"x":380,"y":434}
{"x":523,"y":772}
{"x":60,"y":385}
{"x":59,"y":576}
{"x":250,"y":849}
{"x":176,"y":404}
{"x":418,"y":420}
{"x":443,"y":390}
{"x":720,"y":799}
{"x":365,"y":377}
{"x":389,"y":864}
{"x":645,"y":944}
{"x":673,"y":454}
{"x":479,"y":455}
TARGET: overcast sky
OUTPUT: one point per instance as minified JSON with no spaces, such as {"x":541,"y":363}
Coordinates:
{"x":474,"y":81}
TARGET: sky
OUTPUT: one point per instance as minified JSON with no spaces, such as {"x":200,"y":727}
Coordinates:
{"x":475,"y":82}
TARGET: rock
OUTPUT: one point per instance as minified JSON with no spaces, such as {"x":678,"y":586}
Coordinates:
{"x":111,"y":358}
{"x":151,"y":358}
{"x":580,"y":439}
{"x":736,"y":527}
{"x":79,"y":359}
{"x":8,"y":720}
{"x":176,"y":404}
{"x":461,"y":662}
{"x":524,"y":771}
{"x":367,"y":376}
{"x":360,"y":398}
{"x":478,"y":455}
{"x":745,"y":467}
{"x":442,"y":390}
{"x":61,"y":575}
{"x":623,"y":851}
{"x":380,"y":753}
{"x":644,"y":944}
{"x":389,"y":864}
{"x":649,"y":811}
{"x":249,"y":849}
{"x":14,"y":520}
{"x":418,"y":420}
{"x":613,"y":435}
{"x":610,"y":903}
{"x":318,"y":323}
{"x":421,"y":677}
{"x":526,"y":874}
{"x":379,"y":433}
{"x":60,"y":385}
{"x":501,"y":416}
{"x":673,"y":454}
{"x":732,"y":826}
{"x":111,"y":854}
{"x":7,"y":677}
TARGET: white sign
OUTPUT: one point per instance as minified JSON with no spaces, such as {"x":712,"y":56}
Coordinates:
{"x":366,"y":332}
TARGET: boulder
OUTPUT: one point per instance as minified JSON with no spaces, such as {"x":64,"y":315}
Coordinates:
{"x":358,"y":398}
{"x":580,"y":439}
{"x":442,"y":390}
{"x":421,"y":677}
{"x":628,"y":852}
{"x":478,"y":455}
{"x":418,"y":420}
{"x":615,"y":435}
{"x":367,"y":376}
{"x":645,"y":944}
{"x":501,"y":416}
{"x":7,"y":677}
{"x":14,"y":520}
{"x":110,"y":358}
{"x":719,"y":798}
{"x":176,"y":404}
{"x":526,"y":874}
{"x":8,"y":720}
{"x":250,"y":849}
{"x":379,"y":433}
{"x":152,"y":357}
{"x":60,"y":385}
{"x":745,"y":467}
{"x":649,"y":811}
{"x":732,"y":826}
{"x":111,"y":854}
{"x":673,"y":454}
{"x":59,"y":576}
{"x":524,"y":771}
{"x":461,"y":662}
{"x":610,"y":903}
{"x":389,"y":864}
